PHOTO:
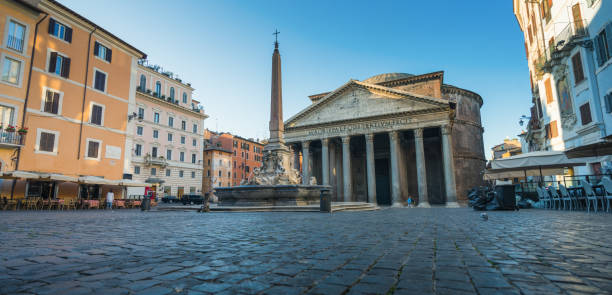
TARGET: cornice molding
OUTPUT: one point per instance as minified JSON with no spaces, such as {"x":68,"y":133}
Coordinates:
{"x":450,"y":89}
{"x":182,"y":109}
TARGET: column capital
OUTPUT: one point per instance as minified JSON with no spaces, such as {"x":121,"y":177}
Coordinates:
{"x":346,"y":139}
{"x":393,"y":135}
{"x":418,"y":133}
{"x":324,"y":141}
{"x":446,"y":129}
{"x":369,"y":137}
{"x":306,"y":144}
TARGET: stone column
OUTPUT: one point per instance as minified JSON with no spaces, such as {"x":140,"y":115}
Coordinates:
{"x":449,"y":169}
{"x":325,"y":160}
{"x":305,"y":161}
{"x":296,"y":158}
{"x":395,"y":182}
{"x":370,"y":168}
{"x":421,"y":168}
{"x":346,"y":168}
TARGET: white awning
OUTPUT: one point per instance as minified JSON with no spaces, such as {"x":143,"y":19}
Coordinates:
{"x":58,"y":177}
{"x":502,"y":173}
{"x":540,"y":159}
{"x":19,"y":174}
{"x":97,"y":180}
{"x":133,"y":183}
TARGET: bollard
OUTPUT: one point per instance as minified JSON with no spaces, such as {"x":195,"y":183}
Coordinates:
{"x":325,"y":200}
{"x":146,"y":204}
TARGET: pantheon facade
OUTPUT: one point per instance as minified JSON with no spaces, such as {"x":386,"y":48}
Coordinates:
{"x":392,"y":137}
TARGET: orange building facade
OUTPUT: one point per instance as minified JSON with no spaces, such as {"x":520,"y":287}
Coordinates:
{"x":247,"y":154}
{"x":73,"y":97}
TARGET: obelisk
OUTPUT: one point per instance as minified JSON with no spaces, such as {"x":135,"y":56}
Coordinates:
{"x":276,"y":141}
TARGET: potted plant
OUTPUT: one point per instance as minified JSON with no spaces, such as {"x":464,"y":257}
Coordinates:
{"x":148,"y":91}
{"x":10,"y":128}
{"x":164,"y":96}
{"x":154,"y":93}
{"x":23,"y":130}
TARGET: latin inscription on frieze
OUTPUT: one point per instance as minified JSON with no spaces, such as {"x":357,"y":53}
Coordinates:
{"x":361,"y":127}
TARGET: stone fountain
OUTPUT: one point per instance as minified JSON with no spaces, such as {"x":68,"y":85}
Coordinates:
{"x":276,"y":182}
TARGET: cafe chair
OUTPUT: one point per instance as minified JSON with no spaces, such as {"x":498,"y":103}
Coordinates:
{"x":543,"y":196}
{"x":607,"y":184}
{"x":556,"y":199}
{"x":590,"y":195}
{"x":566,"y":198}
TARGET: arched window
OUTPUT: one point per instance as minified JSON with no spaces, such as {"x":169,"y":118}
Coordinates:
{"x":184,"y":97}
{"x":172,"y":92}
{"x":143,"y":83}
{"x":158,"y":89}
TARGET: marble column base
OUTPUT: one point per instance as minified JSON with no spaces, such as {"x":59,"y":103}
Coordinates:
{"x":424,"y":205}
{"x":397,"y":205}
{"x":452,"y":205}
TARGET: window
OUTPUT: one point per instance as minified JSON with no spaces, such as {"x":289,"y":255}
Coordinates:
{"x":143,"y":83}
{"x":93,"y":149}
{"x":51,"y":102}
{"x":548,"y":88}
{"x":157,"y":89}
{"x":100,"y":81}
{"x":169,"y":136}
{"x":103,"y":52}
{"x":192,"y":174}
{"x":195,"y":128}
{"x":97,"y":114}
{"x":172,"y":93}
{"x":181,"y":173}
{"x":11,"y":70}
{"x":154,"y":152}
{"x":208,"y":173}
{"x":603,"y":45}
{"x":136,"y":169}
{"x":183,"y":125}
{"x":155,"y":134}
{"x":170,"y":121}
{"x":194,"y":142}
{"x":608,"y":102}
{"x":59,"y":64}
{"x":182,"y":157}
{"x":16,"y":36}
{"x":193,"y":158}
{"x":208,"y":162}
{"x":234,"y":164}
{"x":169,"y":155}
{"x":545,"y":7}
{"x":153,"y":171}
{"x":168,"y":172}
{"x":246,"y":169}
{"x":138,"y":150}
{"x":184,"y":97}
{"x":140,"y":113}
{"x":139,"y":130}
{"x":47,"y":141}
{"x":577,"y":66}
{"x":219,"y":173}
{"x":229,"y":174}
{"x":156,"y":118}
{"x":60,"y":30}
{"x":247,"y":156}
{"x":585,"y":113}
{"x":183,"y":139}
{"x":6,"y":115}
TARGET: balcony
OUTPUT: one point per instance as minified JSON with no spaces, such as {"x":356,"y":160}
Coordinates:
{"x":15,"y":43}
{"x":11,"y":139}
{"x":566,"y":36}
{"x":155,"y":161}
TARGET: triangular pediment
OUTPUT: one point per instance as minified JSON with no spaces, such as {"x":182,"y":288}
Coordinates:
{"x":357,"y":99}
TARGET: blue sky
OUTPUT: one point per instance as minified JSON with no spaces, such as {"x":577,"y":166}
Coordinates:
{"x":224,"y":49}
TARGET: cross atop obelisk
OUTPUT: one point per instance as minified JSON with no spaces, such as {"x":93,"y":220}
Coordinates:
{"x":276,"y":102}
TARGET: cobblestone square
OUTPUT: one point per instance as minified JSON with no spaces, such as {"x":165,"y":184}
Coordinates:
{"x":391,"y":251}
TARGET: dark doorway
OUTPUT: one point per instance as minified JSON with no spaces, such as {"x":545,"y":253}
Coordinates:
{"x":383,"y":189}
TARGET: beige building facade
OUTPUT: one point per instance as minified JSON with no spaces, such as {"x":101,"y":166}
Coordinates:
{"x":390,"y":138}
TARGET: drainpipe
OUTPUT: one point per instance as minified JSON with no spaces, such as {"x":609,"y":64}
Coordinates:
{"x":25,"y":102}
{"x":84,"y":94}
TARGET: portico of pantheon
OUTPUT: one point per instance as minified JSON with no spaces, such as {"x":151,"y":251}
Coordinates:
{"x":389,"y":138}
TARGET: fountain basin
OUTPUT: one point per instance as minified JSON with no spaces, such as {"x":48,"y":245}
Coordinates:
{"x":269,"y":195}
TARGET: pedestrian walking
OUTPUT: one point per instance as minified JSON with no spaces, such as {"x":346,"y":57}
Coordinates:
{"x":110,"y":196}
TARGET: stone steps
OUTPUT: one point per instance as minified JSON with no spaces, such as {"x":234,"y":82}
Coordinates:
{"x":336,"y":207}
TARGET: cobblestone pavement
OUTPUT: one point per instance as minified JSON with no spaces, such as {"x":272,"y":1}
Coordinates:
{"x":393,"y":251}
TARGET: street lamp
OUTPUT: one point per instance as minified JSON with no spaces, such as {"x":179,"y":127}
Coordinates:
{"x":522,"y":119}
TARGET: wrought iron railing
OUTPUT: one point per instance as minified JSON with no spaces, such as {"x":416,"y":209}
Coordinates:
{"x":12,"y":138}
{"x":15,"y":43}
